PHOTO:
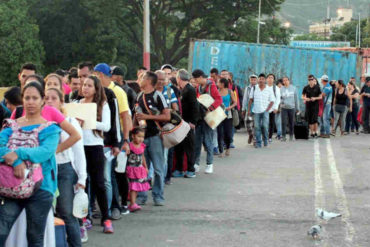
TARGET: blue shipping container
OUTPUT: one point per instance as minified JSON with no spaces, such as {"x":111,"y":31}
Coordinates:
{"x":244,"y":59}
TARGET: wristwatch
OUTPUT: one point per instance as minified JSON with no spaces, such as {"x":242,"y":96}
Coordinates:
{"x":126,"y":140}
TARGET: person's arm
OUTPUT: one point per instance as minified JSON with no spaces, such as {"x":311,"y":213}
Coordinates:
{"x":173,"y":101}
{"x":49,"y":138}
{"x":272,"y":101}
{"x":191,"y":97}
{"x":234,"y":101}
{"x":127,"y":126}
{"x":144,"y":164}
{"x":269,"y":106}
{"x":79,"y":159}
{"x":245,"y":102}
{"x":74,"y":136}
{"x":105,"y":124}
{"x":296,"y":100}
{"x":216,"y":96}
{"x":165,"y":112}
{"x":4,"y":138}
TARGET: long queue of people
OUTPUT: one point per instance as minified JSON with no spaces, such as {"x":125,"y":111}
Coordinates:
{"x":53,"y":156}
{"x":48,"y":156}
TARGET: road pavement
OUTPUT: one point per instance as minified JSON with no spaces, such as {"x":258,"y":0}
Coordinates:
{"x":260,"y":197}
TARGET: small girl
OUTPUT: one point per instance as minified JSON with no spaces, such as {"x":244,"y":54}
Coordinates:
{"x":136,"y":169}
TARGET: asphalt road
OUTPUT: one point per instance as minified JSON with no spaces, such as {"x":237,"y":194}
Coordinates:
{"x":260,"y":197}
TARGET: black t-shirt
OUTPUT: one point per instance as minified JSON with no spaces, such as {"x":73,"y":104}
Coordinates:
{"x":190,"y":105}
{"x":341,"y":98}
{"x":366,"y":89}
{"x":156,"y":104}
{"x":311,"y":92}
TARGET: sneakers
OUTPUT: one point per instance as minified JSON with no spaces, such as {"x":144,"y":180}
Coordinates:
{"x":196,"y":167}
{"x":232,"y":145}
{"x":87,"y":223}
{"x":291,"y":138}
{"x":83,"y":234}
{"x":108,"y":227}
{"x":190,"y":175}
{"x":158,"y":203}
{"x":134,"y":208}
{"x":125,"y":210}
{"x":209,"y":169}
{"x":227,"y":152}
{"x":177,"y":174}
{"x":116,"y":214}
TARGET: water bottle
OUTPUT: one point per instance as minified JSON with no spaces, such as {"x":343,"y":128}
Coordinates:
{"x":121,"y":162}
{"x":80,"y":204}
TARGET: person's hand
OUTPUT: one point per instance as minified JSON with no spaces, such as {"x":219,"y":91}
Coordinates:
{"x":126,"y":148}
{"x":275,"y":111}
{"x":142,"y":116}
{"x":350,"y":109}
{"x":80,"y":121}
{"x":115,"y":151}
{"x":192,"y":125}
{"x":298,"y":113}
{"x":19,"y":170}
{"x":313,"y":99}
{"x":10,"y":158}
{"x":78,"y":186}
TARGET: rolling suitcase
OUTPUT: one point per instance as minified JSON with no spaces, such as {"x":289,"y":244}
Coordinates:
{"x":301,"y":130}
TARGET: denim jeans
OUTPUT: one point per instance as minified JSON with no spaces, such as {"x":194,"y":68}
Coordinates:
{"x":365,"y":117}
{"x":67,"y":178}
{"x":261,"y":128}
{"x":215,"y":139}
{"x":224,"y":133}
{"x":288,"y":118}
{"x":203,"y":134}
{"x":154,"y":153}
{"x":351,"y":118}
{"x":37,"y":210}
{"x":325,"y":119}
{"x":108,"y":179}
{"x":169,"y":164}
{"x":340,"y":118}
{"x":278,"y":123}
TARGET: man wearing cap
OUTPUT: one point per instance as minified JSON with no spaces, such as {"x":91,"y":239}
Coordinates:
{"x":203,"y":133}
{"x":249,"y":119}
{"x":365,"y":95}
{"x":327,"y":92}
{"x":118,"y":78}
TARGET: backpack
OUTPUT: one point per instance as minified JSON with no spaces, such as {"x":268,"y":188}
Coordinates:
{"x":21,"y":188}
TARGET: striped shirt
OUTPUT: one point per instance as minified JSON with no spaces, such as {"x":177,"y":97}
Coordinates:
{"x":261,"y":99}
{"x":173,"y":98}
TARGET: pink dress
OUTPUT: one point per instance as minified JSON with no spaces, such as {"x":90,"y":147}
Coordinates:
{"x":135,"y":171}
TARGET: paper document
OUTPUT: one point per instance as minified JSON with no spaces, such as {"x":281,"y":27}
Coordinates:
{"x":86,"y":112}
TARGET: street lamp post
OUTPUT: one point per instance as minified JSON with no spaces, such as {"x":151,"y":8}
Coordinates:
{"x":146,"y":43}
{"x":259,"y":22}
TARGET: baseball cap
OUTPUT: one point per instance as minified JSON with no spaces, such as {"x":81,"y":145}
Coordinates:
{"x":253,"y":76}
{"x":167,"y":66}
{"x":117,"y":71}
{"x":103,"y":68}
{"x":324,"y":78}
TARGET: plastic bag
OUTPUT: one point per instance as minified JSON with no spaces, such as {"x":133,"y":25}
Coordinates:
{"x":80,"y":204}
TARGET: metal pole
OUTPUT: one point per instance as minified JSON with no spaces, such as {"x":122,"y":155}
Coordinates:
{"x":259,"y":22}
{"x":359,"y":30}
{"x":146,"y":43}
{"x":356,"y":35}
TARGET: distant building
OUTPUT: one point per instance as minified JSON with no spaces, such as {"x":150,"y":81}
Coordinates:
{"x":325,"y":28}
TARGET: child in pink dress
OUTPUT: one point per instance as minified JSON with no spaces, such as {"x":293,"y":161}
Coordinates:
{"x":136,"y":169}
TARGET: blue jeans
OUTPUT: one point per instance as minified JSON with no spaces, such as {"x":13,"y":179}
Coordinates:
{"x":326,"y":119}
{"x":154,"y":153}
{"x":203,"y":134}
{"x":278,"y":123}
{"x":67,"y":178}
{"x":351,"y":119}
{"x":37,"y":210}
{"x":169,"y":164}
{"x":261,"y":128}
{"x":108,"y":179}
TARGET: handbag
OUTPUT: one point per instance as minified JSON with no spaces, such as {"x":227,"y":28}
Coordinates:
{"x":234,"y":113}
{"x":171,"y":134}
{"x":21,"y":188}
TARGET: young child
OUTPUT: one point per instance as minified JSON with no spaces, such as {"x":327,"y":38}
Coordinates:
{"x":136,"y":169}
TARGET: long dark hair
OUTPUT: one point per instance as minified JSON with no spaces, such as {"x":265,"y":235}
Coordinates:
{"x":99,"y":98}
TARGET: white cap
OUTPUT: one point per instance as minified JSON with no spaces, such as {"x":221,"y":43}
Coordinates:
{"x":253,"y":76}
{"x":324,"y":78}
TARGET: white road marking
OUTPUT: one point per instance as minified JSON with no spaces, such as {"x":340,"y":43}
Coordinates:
{"x":340,"y":194}
{"x":319,"y":192}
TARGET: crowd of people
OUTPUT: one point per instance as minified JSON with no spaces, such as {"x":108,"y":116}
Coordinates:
{"x":129,"y":119}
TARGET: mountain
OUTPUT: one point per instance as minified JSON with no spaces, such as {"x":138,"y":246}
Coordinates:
{"x":302,"y":13}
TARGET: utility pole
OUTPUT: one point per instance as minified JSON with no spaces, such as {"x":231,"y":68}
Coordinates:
{"x":359,"y":30}
{"x":146,"y":43}
{"x":259,"y":22}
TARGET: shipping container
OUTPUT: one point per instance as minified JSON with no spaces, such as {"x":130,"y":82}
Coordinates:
{"x":363,"y":52}
{"x":318,"y":44}
{"x":244,"y":59}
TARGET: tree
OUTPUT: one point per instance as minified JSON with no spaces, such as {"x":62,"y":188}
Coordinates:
{"x":19,"y":41}
{"x":310,"y":36}
{"x":348,"y":32}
